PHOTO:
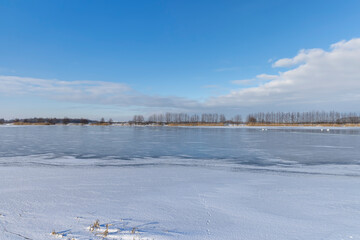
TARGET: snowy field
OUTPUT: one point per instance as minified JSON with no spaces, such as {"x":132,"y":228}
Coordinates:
{"x":176,"y":202}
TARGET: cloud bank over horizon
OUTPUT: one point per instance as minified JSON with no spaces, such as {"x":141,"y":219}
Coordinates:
{"x":316,"y":77}
{"x":313,"y":79}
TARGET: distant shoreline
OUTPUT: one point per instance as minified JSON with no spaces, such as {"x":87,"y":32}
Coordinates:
{"x":191,"y":124}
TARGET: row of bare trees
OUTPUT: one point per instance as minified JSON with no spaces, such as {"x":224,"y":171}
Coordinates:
{"x":331,"y":117}
{"x":312,"y":117}
{"x":186,"y":118}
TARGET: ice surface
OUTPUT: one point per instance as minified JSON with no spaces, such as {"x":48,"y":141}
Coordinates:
{"x":176,"y":202}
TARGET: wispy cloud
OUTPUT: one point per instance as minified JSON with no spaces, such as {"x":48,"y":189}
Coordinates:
{"x":98,"y":92}
{"x":266,"y":76}
{"x":60,"y":89}
{"x":261,"y":78}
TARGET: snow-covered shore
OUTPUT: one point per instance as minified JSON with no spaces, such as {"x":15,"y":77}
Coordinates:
{"x":176,"y":202}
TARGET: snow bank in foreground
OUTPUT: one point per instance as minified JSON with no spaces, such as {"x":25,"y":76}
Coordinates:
{"x":176,"y":202}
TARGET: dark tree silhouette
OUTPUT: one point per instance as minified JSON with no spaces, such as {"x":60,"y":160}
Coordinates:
{"x":84,"y":121}
{"x":66,"y":121}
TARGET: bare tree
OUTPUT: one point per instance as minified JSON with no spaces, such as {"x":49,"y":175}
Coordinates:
{"x":237,"y":119}
{"x":138,"y":119}
{"x":222,"y":118}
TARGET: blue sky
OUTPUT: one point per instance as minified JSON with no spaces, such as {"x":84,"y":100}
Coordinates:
{"x":187,"y":56}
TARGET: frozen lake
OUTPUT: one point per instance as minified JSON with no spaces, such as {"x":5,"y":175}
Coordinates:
{"x":179,"y":183}
{"x":113,"y":145}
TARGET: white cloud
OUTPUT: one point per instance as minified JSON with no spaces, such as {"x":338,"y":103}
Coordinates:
{"x":60,"y":89}
{"x":93,"y":92}
{"x":302,"y":57}
{"x":318,"y":79}
{"x":266,"y":76}
{"x":257,"y":80}
{"x":321,"y":77}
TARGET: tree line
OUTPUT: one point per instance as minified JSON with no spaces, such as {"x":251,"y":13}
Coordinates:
{"x":186,"y":118}
{"x":313,"y":117}
{"x":53,"y":121}
{"x":310,"y":117}
{"x":50,"y":121}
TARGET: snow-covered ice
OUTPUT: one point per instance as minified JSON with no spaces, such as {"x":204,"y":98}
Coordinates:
{"x":176,"y":202}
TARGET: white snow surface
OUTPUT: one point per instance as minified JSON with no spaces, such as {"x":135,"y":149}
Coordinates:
{"x":176,"y":202}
